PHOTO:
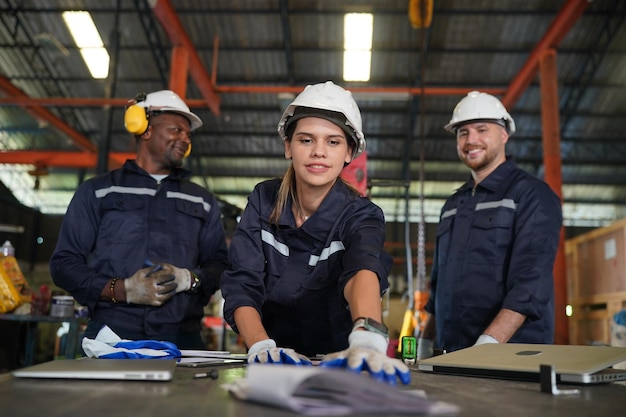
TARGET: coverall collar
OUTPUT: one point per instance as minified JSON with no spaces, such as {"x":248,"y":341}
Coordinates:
{"x":495,"y":180}
{"x":175,"y":173}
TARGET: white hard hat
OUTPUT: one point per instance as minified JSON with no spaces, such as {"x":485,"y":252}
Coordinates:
{"x":325,"y":100}
{"x":480,"y":106}
{"x":169,"y":101}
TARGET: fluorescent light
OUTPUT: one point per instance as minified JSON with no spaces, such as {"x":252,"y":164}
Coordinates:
{"x":87,"y":38}
{"x":97,"y":60}
{"x":357,"y":55}
{"x":356,"y":65}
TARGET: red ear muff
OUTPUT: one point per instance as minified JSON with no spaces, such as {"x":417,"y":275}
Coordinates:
{"x":136,"y":117}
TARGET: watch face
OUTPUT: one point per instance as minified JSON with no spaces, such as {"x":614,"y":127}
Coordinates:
{"x":376,"y":325}
{"x":371,"y":325}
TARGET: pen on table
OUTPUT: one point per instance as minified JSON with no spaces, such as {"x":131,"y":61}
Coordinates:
{"x":213,"y":374}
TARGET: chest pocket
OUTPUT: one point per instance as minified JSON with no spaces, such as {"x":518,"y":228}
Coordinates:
{"x":190,"y":208}
{"x":122,"y":212}
{"x":276,"y":254}
{"x":325,"y":267}
{"x":491,"y":235}
{"x":444,"y":234}
{"x":188,"y":220}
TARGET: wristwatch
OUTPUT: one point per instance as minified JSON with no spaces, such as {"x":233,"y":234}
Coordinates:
{"x":195,"y":283}
{"x":370,"y":325}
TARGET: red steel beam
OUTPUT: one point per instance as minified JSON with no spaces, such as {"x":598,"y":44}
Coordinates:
{"x":560,"y":26}
{"x":234,"y":89}
{"x":164,"y":11}
{"x":60,"y":158}
{"x":44,"y":114}
{"x":550,"y":126}
{"x":179,"y":69}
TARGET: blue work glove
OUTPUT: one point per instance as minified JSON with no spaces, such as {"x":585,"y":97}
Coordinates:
{"x":367,"y":352}
{"x":265,"y":351}
{"x":485,"y":338}
{"x":425,"y":348}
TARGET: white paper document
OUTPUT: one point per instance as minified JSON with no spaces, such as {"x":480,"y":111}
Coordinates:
{"x":219,"y":354}
{"x":329,"y":392}
{"x":199,"y":358}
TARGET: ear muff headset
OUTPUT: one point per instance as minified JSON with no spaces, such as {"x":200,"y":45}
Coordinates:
{"x":136,"y":117}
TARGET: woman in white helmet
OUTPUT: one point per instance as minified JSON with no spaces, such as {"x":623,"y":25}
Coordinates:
{"x":496,"y":242}
{"x":307,"y":266}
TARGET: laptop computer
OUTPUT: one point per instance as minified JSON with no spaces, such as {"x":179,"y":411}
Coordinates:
{"x":112,"y":369}
{"x":574,"y":364}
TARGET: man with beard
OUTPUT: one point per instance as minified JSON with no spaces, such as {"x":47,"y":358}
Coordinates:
{"x":142,"y":246}
{"x":496,"y":242}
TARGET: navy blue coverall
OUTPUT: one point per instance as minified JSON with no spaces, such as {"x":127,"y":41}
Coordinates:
{"x":495,"y":248}
{"x":117,"y":221}
{"x":295,"y":277}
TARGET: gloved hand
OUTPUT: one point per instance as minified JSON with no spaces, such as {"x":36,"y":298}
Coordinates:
{"x":485,"y":338}
{"x":265,"y":351}
{"x":150,"y":286}
{"x":367,"y":351}
{"x":425,"y":348}
{"x":182,"y":277}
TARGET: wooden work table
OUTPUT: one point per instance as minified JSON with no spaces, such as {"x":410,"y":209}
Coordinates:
{"x":189,"y":397}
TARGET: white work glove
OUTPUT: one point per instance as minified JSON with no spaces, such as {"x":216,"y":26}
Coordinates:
{"x":425,"y":348}
{"x":182,"y":277}
{"x":265,"y":351}
{"x":485,"y":338}
{"x":367,"y":352}
{"x":150,"y":286}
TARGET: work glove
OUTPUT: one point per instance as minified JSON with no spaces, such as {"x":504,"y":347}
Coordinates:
{"x":265,"y":351}
{"x":182,"y":277}
{"x":425,"y":348}
{"x":367,"y":352}
{"x":485,"y":338}
{"x":150,"y":286}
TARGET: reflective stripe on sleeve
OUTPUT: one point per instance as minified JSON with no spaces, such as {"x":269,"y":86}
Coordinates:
{"x":269,"y":238}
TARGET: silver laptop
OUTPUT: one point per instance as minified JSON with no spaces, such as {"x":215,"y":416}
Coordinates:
{"x":88,"y":368}
{"x":574,"y":364}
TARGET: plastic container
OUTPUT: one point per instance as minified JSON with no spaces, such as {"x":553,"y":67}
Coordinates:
{"x":62,"y":306}
{"x":7,"y":249}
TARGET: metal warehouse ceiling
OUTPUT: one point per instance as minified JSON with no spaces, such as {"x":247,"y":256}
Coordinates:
{"x":235,"y":60}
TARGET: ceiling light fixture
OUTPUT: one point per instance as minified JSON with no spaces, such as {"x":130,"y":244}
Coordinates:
{"x":88,"y":40}
{"x":357,"y":44}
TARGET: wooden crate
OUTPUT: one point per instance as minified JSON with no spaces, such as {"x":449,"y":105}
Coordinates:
{"x":590,"y":322}
{"x":596,"y":261}
{"x":596,"y":282}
